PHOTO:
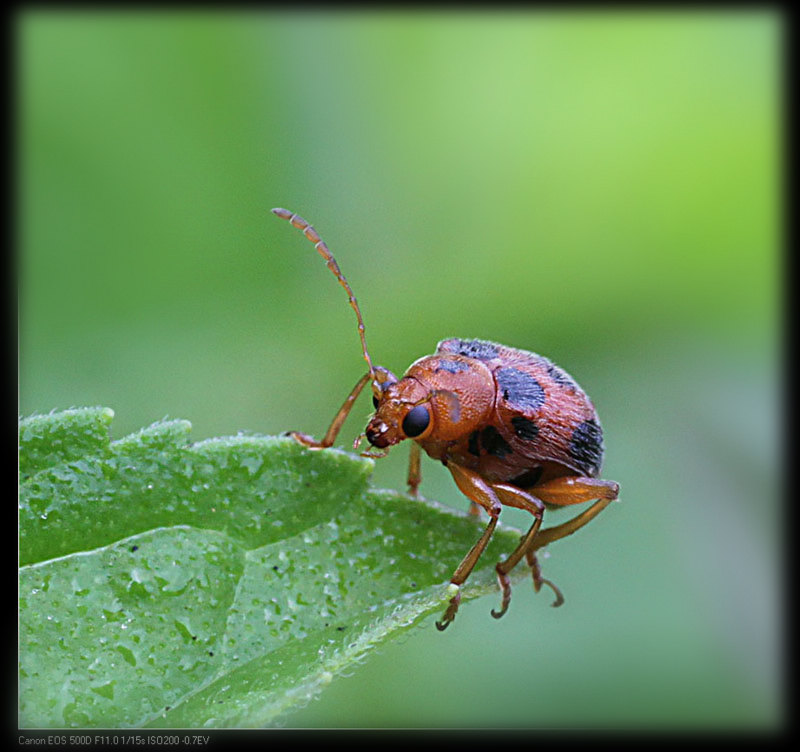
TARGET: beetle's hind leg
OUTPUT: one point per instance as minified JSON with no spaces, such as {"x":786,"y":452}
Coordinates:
{"x":538,"y":580}
{"x":563,"y":492}
{"x":574,"y":490}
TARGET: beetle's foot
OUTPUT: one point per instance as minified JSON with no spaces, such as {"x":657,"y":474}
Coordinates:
{"x":505,"y":584}
{"x":374,"y":455}
{"x":538,"y":580}
{"x":450,"y":613}
{"x":559,"y":595}
{"x":307,"y":441}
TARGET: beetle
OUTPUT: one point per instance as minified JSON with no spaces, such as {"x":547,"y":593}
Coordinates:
{"x":512,"y":428}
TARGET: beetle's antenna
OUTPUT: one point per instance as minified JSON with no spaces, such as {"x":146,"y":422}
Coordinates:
{"x":322,"y":249}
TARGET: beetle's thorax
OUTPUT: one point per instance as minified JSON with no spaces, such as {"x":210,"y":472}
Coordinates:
{"x":462,"y":393}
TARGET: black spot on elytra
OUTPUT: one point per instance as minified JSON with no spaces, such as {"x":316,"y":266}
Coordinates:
{"x":473,"y":348}
{"x":528,"y":478}
{"x":520,"y":388}
{"x":472,"y":444}
{"x":451,"y":366}
{"x":586,"y":446}
{"x":560,"y":376}
{"x":494,"y":443}
{"x":524,"y":428}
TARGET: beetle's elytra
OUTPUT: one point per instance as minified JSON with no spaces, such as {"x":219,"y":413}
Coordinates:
{"x":512,"y":428}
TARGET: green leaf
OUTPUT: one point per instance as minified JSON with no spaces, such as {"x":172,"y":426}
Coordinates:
{"x":164,"y":583}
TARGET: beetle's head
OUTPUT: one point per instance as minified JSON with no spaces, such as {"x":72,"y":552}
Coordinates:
{"x":401,"y":410}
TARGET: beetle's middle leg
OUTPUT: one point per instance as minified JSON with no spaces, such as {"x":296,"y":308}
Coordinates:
{"x":414,"y":471}
{"x":515,"y":497}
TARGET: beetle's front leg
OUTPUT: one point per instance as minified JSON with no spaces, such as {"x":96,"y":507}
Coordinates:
{"x":476,"y":489}
{"x":338,"y":420}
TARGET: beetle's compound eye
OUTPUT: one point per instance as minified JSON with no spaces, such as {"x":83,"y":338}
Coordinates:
{"x":416,"y":421}
{"x":375,"y":401}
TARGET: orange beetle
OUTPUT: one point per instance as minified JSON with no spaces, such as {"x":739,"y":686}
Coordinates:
{"x":512,"y":428}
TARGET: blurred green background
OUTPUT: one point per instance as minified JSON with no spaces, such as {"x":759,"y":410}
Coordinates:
{"x":604,"y":189}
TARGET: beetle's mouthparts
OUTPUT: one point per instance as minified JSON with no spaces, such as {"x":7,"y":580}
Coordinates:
{"x":377,"y":434}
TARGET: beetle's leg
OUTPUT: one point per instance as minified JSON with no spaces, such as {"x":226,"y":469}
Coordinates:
{"x":573,"y":490}
{"x":476,"y":489}
{"x":338,"y":420}
{"x":414,"y":471}
{"x":576,"y":489}
{"x":538,"y":580}
{"x":516,"y":497}
{"x":475,"y":481}
{"x":564,"y":491}
{"x":462,"y":572}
